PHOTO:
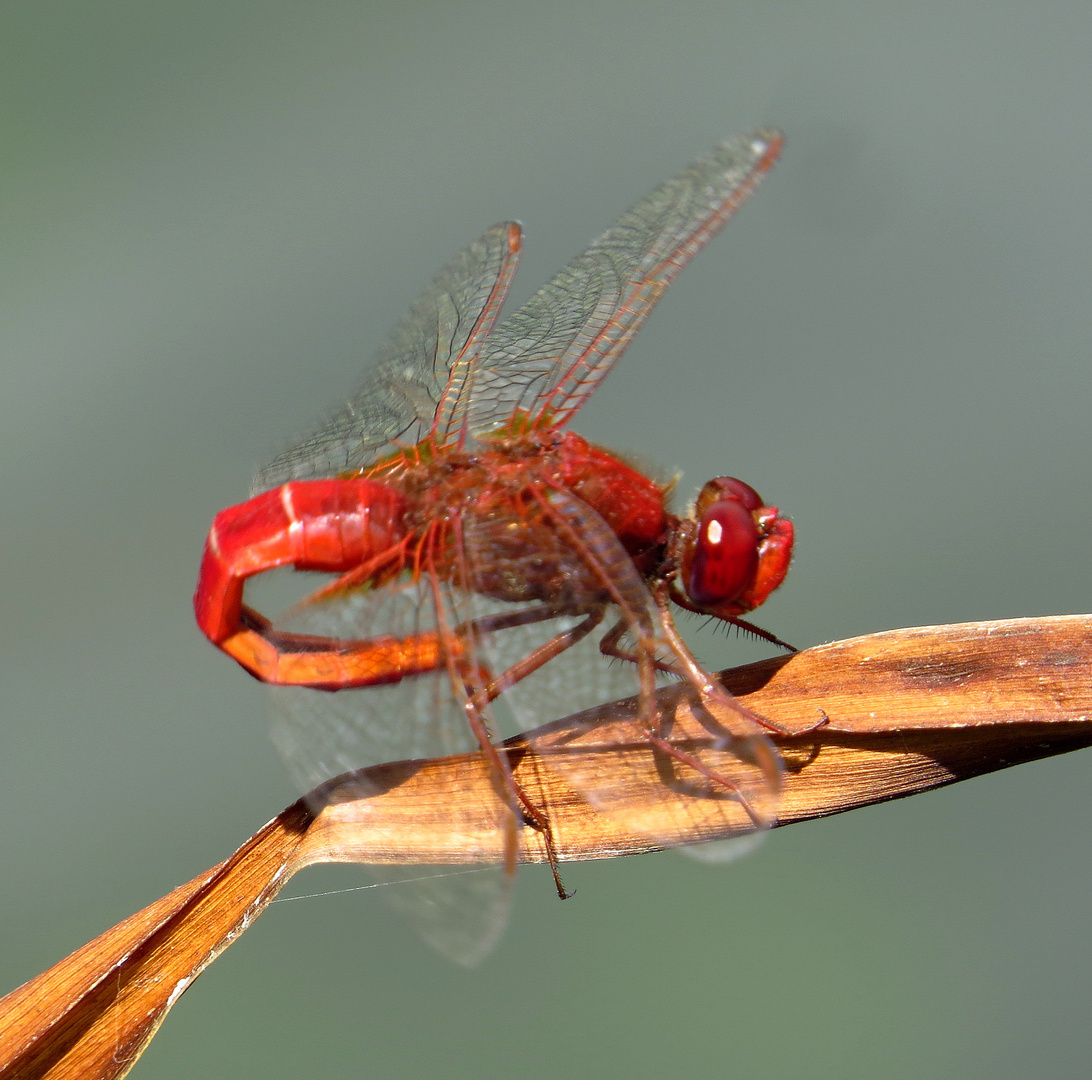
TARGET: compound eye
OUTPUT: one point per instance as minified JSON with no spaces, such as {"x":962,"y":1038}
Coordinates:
{"x":725,"y":559}
{"x":724,"y":488}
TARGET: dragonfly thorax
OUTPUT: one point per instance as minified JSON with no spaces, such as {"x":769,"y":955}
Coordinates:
{"x":487,"y":520}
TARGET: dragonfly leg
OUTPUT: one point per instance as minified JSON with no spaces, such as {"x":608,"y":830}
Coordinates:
{"x":750,"y":628}
{"x":477,"y":701}
{"x":702,"y":769}
{"x":717,"y":702}
{"x":679,"y":598}
{"x":534,"y":660}
{"x":603,"y":554}
{"x":519,"y":801}
{"x":468,"y":677}
{"x":611,"y":646}
{"x":708,"y":688}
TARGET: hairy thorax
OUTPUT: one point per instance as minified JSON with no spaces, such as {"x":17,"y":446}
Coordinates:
{"x":487,"y":520}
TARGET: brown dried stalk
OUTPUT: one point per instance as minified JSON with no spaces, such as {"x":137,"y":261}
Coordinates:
{"x":908,"y":710}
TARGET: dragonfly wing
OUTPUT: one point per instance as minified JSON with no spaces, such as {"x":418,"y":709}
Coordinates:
{"x":723,"y":851}
{"x":322,"y":735}
{"x":715,"y":775}
{"x":459,"y":910}
{"x":419,"y":380}
{"x":717,"y":786}
{"x":548,"y":358}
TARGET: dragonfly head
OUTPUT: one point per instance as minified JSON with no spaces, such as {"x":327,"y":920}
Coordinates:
{"x":736,"y":550}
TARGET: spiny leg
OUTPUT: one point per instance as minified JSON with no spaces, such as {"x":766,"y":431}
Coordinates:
{"x":546,"y":652}
{"x":705,"y":684}
{"x":680,"y":600}
{"x":529,"y":664}
{"x":472,"y":678}
{"x":750,"y":628}
{"x":602,"y":552}
{"x":610,"y":645}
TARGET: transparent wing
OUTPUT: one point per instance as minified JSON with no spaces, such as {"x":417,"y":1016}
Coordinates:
{"x":718,"y":782}
{"x":709,"y":774}
{"x":548,"y":357}
{"x":322,"y":735}
{"x":459,"y":911}
{"x":419,"y":380}
{"x":439,"y":375}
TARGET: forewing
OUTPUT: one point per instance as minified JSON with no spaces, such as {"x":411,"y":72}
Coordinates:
{"x":548,"y":357}
{"x":419,"y":380}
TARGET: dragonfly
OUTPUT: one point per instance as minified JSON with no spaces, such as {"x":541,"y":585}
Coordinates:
{"x":495,"y":569}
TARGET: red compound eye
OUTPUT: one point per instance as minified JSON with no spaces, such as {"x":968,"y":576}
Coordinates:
{"x":725,"y":557}
{"x":739,"y":551}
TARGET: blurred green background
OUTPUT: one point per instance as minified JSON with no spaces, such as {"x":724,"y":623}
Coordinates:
{"x":213,"y":211}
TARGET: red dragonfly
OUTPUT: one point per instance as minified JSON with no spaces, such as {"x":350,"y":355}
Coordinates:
{"x":494,"y":567}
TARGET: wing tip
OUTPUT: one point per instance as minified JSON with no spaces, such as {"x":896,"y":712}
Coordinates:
{"x":515,"y":237}
{"x":767,"y":144}
{"x":511,"y":231}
